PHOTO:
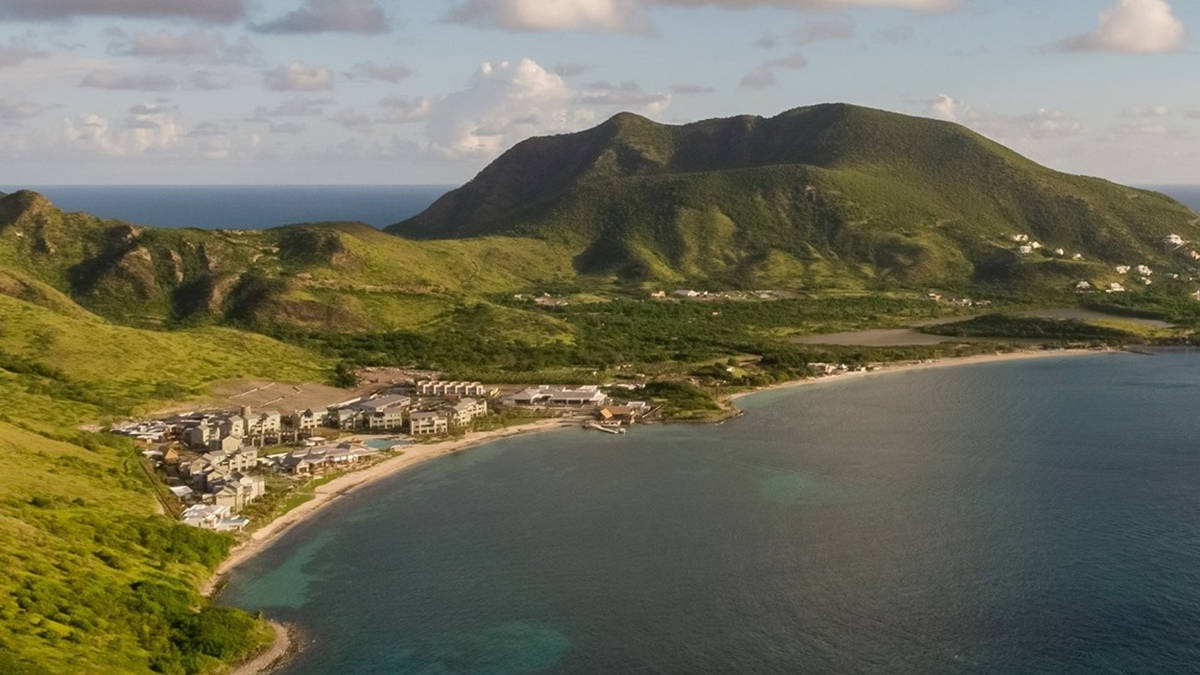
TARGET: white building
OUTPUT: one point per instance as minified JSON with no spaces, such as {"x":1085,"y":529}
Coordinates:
{"x":205,"y":516}
{"x":462,"y":412}
{"x":428,"y":422}
{"x":546,"y":395}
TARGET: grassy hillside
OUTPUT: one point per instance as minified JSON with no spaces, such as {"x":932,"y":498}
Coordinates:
{"x":344,"y":277}
{"x":824,"y":196}
{"x":95,"y":581}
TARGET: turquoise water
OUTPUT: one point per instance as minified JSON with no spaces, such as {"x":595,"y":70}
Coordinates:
{"x":1032,"y":517}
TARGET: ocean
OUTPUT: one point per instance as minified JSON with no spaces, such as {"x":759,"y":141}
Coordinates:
{"x":249,"y":207}
{"x":1020,"y":517}
{"x":259,"y":207}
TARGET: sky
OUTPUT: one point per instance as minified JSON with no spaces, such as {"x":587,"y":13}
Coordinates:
{"x":429,"y":91}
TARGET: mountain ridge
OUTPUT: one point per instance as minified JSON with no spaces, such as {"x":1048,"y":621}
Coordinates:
{"x":832,"y":193}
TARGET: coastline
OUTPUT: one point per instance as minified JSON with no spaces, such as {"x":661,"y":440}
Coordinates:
{"x":286,"y":643}
{"x":342,"y":485}
{"x":931,"y":364}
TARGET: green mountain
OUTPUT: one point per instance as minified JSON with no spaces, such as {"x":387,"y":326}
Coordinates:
{"x":823,"y":196}
{"x":341,"y":276}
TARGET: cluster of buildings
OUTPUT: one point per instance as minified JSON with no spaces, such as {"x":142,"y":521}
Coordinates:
{"x":958,"y":302}
{"x":545,"y":395}
{"x":441,"y":406}
{"x":218,"y":465}
{"x":692,"y":294}
{"x":224,"y":431}
{"x":320,"y":458}
{"x":1026,"y":246}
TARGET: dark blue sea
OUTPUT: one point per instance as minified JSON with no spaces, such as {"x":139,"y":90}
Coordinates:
{"x":258,"y":207}
{"x":243,"y":207}
{"x":1039,"y":516}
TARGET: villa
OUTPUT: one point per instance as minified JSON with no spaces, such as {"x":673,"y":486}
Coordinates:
{"x":427,"y":423}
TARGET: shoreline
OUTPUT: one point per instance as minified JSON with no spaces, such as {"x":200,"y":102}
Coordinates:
{"x":343,"y":485}
{"x":931,"y":364}
{"x":283,"y":647}
{"x":286,"y":643}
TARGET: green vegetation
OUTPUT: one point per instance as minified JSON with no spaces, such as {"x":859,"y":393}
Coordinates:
{"x":858,"y":213}
{"x":94,"y":579}
{"x":829,"y":196}
{"x":1051,"y":330}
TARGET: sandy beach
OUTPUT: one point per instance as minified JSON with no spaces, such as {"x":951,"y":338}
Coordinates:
{"x":346,"y":484}
{"x":272,"y":657}
{"x":930,"y":364}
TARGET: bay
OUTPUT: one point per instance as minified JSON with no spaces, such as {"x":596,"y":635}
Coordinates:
{"x":1034,"y":516}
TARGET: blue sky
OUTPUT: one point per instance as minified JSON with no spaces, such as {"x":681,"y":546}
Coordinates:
{"x":384,"y":91}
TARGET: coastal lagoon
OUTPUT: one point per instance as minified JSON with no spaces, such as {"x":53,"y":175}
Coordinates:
{"x":1026,"y":516}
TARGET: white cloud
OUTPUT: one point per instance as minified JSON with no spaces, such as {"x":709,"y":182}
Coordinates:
{"x":107,"y":78}
{"x":561,"y":15}
{"x":759,"y":78}
{"x":17,"y":52}
{"x":215,"y":11}
{"x":624,"y":95}
{"x":298,"y":77}
{"x":1133,"y":27}
{"x":504,"y":103}
{"x":690,"y":89}
{"x":369,"y":70}
{"x":191,"y":47}
{"x":208,"y":80}
{"x":946,"y":107}
{"x":1044,"y":123}
{"x":138,"y":134}
{"x":12,"y":110}
{"x":296,"y":106}
{"x":403,"y":110}
{"x":630,"y":16}
{"x":353,"y":120}
{"x":331,"y":16}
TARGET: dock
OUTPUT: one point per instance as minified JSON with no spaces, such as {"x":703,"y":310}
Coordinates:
{"x":607,"y":430}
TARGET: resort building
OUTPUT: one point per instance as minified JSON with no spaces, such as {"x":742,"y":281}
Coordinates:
{"x":463,"y":411}
{"x":239,"y":490}
{"x":428,"y":423}
{"x":546,"y":395}
{"x":453,"y":388}
{"x":377,"y":413}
